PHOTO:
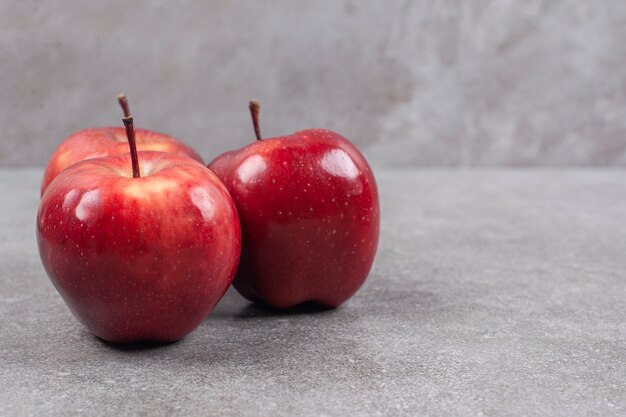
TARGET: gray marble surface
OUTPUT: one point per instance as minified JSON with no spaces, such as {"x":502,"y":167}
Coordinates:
{"x":411,"y":82}
{"x":494,"y":293}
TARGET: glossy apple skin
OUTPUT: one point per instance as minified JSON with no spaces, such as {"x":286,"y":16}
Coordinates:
{"x":139,"y":259}
{"x":309,"y":212}
{"x":107,"y":141}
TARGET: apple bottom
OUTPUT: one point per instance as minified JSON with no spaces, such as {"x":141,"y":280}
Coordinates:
{"x":142,"y":297}
{"x":282,"y":294}
{"x":325,"y":265}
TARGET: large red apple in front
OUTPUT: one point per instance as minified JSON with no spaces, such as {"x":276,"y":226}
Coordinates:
{"x":309,"y":212}
{"x":142,"y":258}
{"x":106,"y":141}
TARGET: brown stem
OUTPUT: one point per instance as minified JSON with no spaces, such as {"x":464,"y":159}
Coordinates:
{"x":255,"y":107}
{"x":124,"y":104}
{"x":130,"y":134}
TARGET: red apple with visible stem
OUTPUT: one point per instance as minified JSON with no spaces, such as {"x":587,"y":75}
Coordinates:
{"x":141,"y":246}
{"x":106,"y":141}
{"x":309,"y":212}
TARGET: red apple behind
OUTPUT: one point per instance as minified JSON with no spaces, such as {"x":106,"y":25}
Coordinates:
{"x":106,"y":141}
{"x":309,"y":212}
{"x":141,"y":254}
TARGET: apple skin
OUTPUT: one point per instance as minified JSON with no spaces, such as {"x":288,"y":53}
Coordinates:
{"x":139,"y":259}
{"x":107,"y":141}
{"x":309,"y":212}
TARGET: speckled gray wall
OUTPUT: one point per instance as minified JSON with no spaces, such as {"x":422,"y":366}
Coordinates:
{"x":423,"y":83}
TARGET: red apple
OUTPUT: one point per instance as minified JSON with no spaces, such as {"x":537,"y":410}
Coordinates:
{"x":141,"y":254}
{"x":309,"y":212}
{"x":105,"y":141}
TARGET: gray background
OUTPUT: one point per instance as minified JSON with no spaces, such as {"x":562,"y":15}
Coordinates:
{"x":413,"y":83}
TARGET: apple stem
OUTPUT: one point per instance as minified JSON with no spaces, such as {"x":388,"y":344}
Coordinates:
{"x":255,"y":107}
{"x":124,"y":104}
{"x":130,"y":134}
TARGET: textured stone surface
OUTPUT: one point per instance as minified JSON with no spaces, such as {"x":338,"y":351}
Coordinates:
{"x":494,"y":293}
{"x":413,"y":82}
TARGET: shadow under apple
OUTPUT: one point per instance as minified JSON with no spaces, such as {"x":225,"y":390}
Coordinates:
{"x":255,"y":310}
{"x":134,"y":347}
